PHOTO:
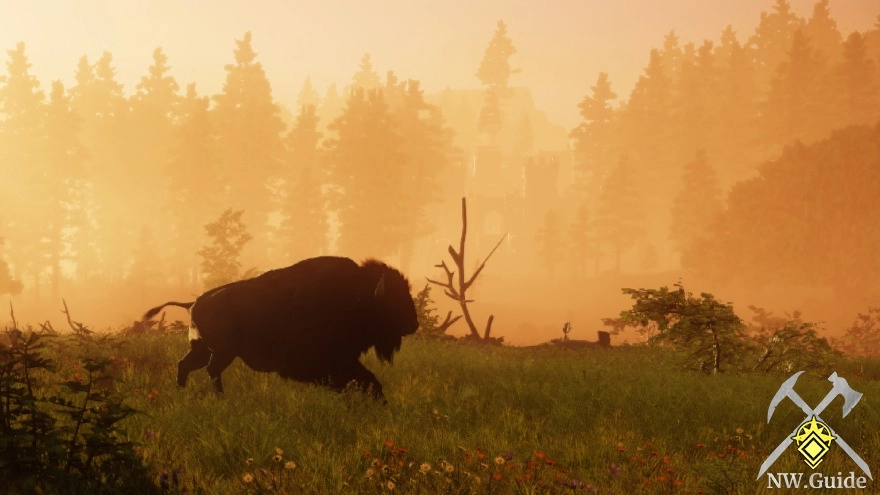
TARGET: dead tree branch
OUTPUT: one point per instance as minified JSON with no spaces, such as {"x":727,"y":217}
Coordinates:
{"x":457,"y":291}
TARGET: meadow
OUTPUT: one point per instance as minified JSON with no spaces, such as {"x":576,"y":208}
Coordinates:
{"x":461,"y":418}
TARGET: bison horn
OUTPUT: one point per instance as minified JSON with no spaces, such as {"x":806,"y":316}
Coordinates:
{"x":380,"y":287}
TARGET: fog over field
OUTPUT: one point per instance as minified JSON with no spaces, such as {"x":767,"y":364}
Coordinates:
{"x":150,"y":151}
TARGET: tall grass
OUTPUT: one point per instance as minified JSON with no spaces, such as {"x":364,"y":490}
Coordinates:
{"x":477,"y":419}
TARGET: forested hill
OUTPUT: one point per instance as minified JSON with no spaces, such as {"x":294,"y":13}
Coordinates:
{"x":113,"y":186}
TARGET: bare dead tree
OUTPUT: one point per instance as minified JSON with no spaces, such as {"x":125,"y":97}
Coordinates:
{"x":456,"y":289}
{"x":447,"y":322}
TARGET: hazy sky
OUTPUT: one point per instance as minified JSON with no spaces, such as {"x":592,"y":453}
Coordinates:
{"x":562,"y":45}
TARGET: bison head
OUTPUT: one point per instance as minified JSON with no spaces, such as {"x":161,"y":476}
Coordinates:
{"x":396,"y":312}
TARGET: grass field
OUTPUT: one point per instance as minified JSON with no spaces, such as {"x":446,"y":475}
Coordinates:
{"x":480,"y":419}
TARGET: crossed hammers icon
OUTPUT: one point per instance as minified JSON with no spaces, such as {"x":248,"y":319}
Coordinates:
{"x":842,"y":388}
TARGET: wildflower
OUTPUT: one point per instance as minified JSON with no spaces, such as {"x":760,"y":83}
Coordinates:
{"x":730,"y":448}
{"x":508,"y":456}
{"x":369,"y":473}
{"x":367,"y":454}
{"x":550,"y":462}
{"x":181,"y":471}
{"x":376,"y":463}
{"x":247,"y":478}
{"x":163,"y":479}
{"x":620,"y":447}
{"x":481,"y":455}
{"x":278,"y":452}
{"x":662,"y":478}
{"x":249,"y":461}
{"x":277,"y":458}
{"x":572,"y":483}
{"x":390,"y":485}
{"x":477,"y":480}
{"x":740,"y":431}
{"x":149,"y":434}
{"x":497,"y":476}
{"x":289,"y":465}
{"x":700,"y":445}
{"x":389,"y":443}
{"x":499,"y":460}
{"x":449,"y":468}
{"x":424,"y":468}
{"x":615,"y":469}
{"x":540,"y":454}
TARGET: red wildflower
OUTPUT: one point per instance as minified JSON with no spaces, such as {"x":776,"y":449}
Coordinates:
{"x":497,"y":476}
{"x":389,"y":443}
{"x":540,"y":454}
{"x":701,"y":445}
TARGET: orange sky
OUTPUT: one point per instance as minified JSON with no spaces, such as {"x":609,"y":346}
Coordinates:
{"x":561,"y":46}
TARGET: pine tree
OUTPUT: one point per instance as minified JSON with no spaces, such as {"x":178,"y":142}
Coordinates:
{"x":195,"y":188}
{"x":857,"y":99}
{"x":821,"y":30}
{"x":795,"y":108}
{"x":427,"y":150}
{"x":593,"y":136}
{"x":304,"y":228}
{"x":154,"y":108}
{"x":330,"y":108}
{"x":695,"y":92}
{"x":620,"y":217}
{"x":22,"y":105}
{"x":308,"y":95}
{"x":105,"y":131}
{"x":64,"y":160}
{"x":495,"y":69}
{"x":494,"y":72}
{"x":366,"y":78}
{"x":772,"y":41}
{"x":249,"y":139}
{"x":366,"y":168}
{"x":737,"y":101}
{"x":698,"y":205}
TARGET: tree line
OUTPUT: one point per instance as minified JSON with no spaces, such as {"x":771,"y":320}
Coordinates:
{"x":121,"y":186}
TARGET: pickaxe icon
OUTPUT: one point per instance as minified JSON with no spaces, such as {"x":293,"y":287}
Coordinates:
{"x":842,"y":388}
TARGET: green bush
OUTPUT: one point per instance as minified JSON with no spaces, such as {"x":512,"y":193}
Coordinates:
{"x":60,"y":419}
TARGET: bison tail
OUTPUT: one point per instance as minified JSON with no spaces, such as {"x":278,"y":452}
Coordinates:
{"x":153,"y":312}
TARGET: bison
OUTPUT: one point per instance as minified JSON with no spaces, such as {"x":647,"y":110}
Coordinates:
{"x":308,"y":322}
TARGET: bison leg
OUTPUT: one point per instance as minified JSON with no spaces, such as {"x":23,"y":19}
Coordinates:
{"x":358,"y":373}
{"x":219,"y":362}
{"x":197,"y":357}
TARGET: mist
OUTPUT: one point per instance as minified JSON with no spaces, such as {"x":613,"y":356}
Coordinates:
{"x":738,"y":155}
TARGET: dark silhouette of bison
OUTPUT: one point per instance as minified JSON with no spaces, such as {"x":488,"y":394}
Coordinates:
{"x":308,"y":322}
